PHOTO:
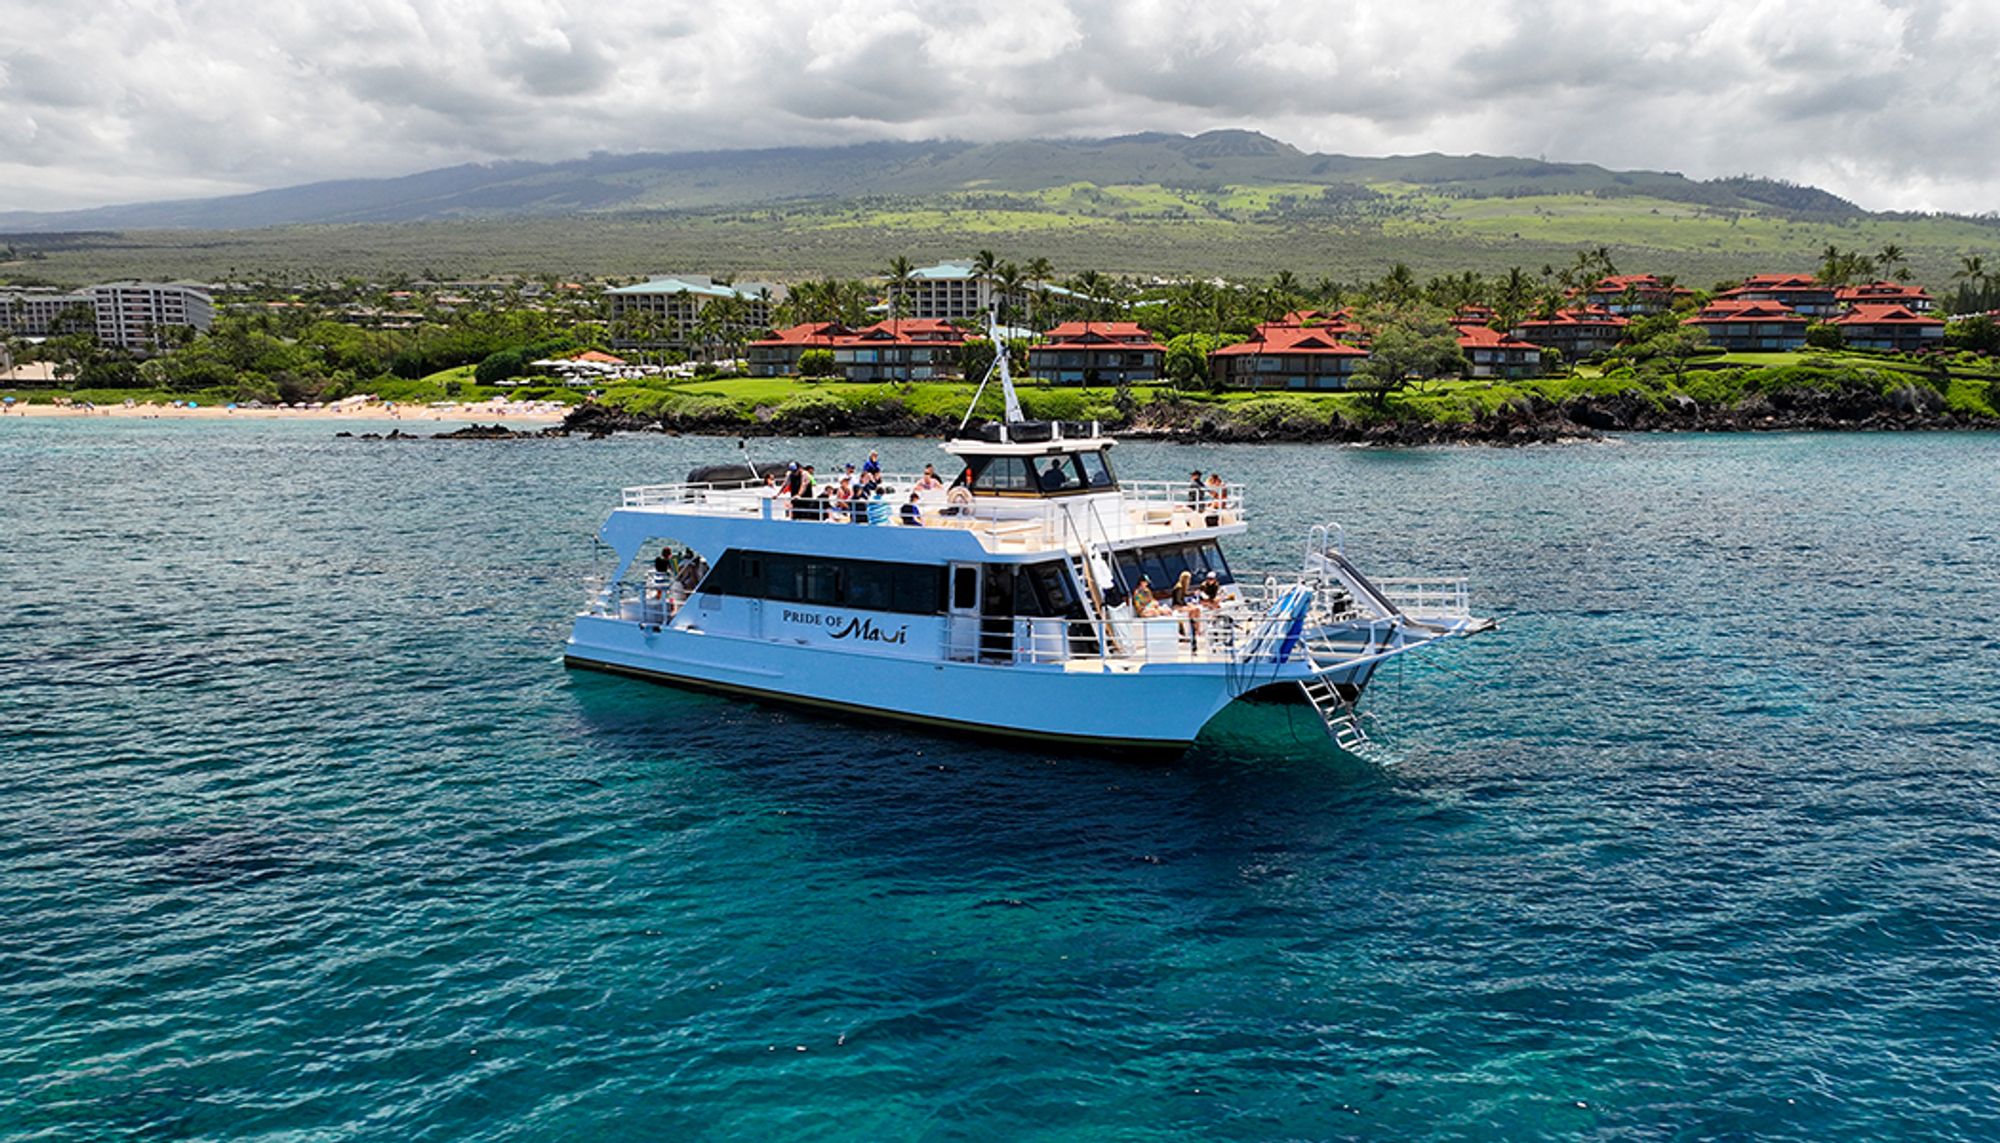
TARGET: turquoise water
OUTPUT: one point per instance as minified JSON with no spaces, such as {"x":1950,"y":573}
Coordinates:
{"x":305,"y":833}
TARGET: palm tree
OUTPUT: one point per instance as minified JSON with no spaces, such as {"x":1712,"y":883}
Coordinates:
{"x":1038,"y":271}
{"x":900,"y":275}
{"x":985,"y":265}
{"x":1892,"y":259}
{"x":1010,"y":278}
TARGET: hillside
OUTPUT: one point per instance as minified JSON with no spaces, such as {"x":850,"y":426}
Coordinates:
{"x":643,"y":182}
{"x":1231,"y":203}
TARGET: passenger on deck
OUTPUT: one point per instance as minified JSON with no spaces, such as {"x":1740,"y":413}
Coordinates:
{"x":811,"y":482}
{"x":795,"y":481}
{"x":929,"y":481}
{"x":843,"y":498}
{"x":1218,"y":498}
{"x":663,"y":564}
{"x":1184,"y":605}
{"x":958,"y":498}
{"x":1196,"y":491}
{"x":913,"y":513}
{"x":1211,"y":591}
{"x":871,"y":469}
{"x":1143,"y":603}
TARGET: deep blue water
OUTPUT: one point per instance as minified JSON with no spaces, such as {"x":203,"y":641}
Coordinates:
{"x":305,"y":832}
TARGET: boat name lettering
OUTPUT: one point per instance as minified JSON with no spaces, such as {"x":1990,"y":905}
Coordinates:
{"x":866,"y":631}
{"x":808,"y":618}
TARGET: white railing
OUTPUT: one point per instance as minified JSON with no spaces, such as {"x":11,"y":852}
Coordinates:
{"x":1443,"y":597}
{"x":1144,"y":508}
{"x":1206,"y":637}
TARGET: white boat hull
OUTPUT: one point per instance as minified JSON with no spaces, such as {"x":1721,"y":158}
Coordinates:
{"x":1152,"y":706}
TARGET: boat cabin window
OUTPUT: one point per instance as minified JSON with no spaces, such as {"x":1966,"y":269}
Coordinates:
{"x":1053,"y":474}
{"x":1162,"y":564}
{"x":869,"y":585}
{"x":964,"y":588}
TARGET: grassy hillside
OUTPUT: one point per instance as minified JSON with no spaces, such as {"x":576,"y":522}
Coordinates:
{"x":1141,"y":228}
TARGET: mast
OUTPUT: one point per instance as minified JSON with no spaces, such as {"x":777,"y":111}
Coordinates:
{"x":1013,"y":414}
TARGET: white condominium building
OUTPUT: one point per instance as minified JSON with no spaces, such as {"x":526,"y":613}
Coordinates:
{"x":137,"y":315}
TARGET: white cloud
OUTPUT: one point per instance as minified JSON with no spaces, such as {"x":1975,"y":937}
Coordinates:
{"x":1879,"y":100}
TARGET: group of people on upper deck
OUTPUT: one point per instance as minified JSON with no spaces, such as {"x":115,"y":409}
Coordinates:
{"x":1207,"y":498}
{"x":850,"y":498}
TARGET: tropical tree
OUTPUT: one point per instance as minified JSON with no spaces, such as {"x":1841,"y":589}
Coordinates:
{"x":901,"y":273}
{"x":1038,"y":270}
{"x":1893,"y":261}
{"x":985,"y":267}
{"x":1677,"y":347}
{"x":1410,"y":344}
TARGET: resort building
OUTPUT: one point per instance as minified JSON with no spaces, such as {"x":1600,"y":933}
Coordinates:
{"x":777,"y":355}
{"x":912,"y":349}
{"x":951,"y":291}
{"x":1577,"y":333}
{"x":1802,"y":294}
{"x":138,"y":315}
{"x":1098,"y":353}
{"x":1634,"y":295}
{"x":1896,"y":328}
{"x":1287,"y":357}
{"x":1492,"y":353}
{"x":1738,"y":324}
{"x":1914,"y":298}
{"x":40,"y":314}
{"x":665,"y":312}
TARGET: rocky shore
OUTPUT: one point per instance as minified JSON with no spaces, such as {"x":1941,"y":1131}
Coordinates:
{"x":1525,"y":420}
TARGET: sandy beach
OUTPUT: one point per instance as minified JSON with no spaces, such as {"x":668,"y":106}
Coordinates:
{"x":504,"y":412}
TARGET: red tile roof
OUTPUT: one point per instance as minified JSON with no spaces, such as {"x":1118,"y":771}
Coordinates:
{"x":832,"y":334}
{"x":1884,"y":315}
{"x":1887,"y":292}
{"x":1594,"y":316}
{"x":814,"y":334}
{"x":1292,"y":339}
{"x":1486,"y":337}
{"x":1093,"y":334}
{"x":1643,"y":283}
{"x":1738,"y":309}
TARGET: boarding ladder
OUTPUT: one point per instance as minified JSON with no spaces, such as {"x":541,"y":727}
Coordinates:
{"x":1342,"y":721}
{"x":1086,"y":575}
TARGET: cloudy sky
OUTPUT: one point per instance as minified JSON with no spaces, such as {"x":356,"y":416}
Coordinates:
{"x":1889,"y":102}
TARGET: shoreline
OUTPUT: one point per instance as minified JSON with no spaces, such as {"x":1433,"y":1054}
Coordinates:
{"x":515,"y":413}
{"x":1527,"y":422}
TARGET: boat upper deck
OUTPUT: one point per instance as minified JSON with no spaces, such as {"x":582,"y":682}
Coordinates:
{"x":1135,"y":511}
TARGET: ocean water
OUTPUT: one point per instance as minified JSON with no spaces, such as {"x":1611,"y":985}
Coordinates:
{"x":305,"y":833}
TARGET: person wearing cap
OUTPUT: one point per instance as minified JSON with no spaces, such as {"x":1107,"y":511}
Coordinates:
{"x":1211,"y":591}
{"x":1143,"y":603}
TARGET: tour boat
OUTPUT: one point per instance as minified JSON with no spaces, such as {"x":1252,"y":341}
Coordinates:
{"x":1009,"y":605}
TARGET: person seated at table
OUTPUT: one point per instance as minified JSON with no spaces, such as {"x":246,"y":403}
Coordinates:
{"x":1143,"y":603}
{"x":913,"y":513}
{"x":1183,"y":603}
{"x":1211,"y":591}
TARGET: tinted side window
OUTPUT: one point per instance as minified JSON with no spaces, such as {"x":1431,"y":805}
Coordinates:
{"x":919,"y":590}
{"x":781,"y":578}
{"x":871,"y":586}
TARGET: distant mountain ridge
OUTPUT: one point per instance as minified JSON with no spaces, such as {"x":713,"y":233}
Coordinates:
{"x":623,"y":183}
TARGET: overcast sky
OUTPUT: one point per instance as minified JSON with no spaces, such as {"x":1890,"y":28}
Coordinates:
{"x":1892,"y":103}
